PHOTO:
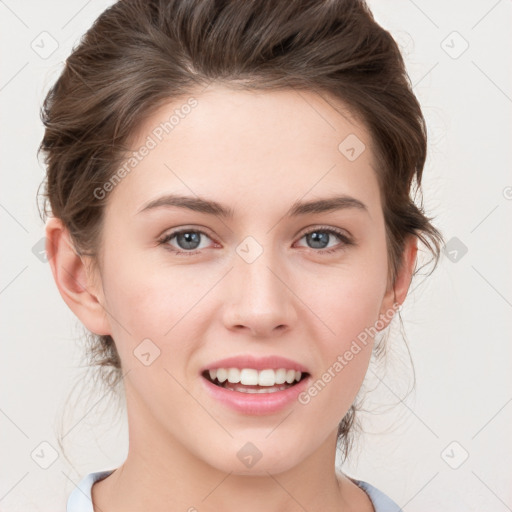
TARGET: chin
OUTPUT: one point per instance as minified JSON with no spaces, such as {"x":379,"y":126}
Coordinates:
{"x":258,"y":458}
{"x":262,"y":467}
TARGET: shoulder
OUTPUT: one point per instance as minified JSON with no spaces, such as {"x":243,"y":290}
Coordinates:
{"x":80,"y":498}
{"x":380,"y":501}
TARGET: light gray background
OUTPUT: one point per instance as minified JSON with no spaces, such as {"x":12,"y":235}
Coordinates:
{"x":458,"y":321}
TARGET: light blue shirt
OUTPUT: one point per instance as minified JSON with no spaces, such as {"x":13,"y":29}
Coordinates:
{"x":80,"y":499}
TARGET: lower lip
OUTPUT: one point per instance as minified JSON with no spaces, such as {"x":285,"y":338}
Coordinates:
{"x":256,"y":403}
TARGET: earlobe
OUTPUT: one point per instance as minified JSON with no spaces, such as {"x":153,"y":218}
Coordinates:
{"x":74,"y":280}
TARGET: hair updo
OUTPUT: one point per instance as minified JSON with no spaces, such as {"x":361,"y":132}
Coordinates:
{"x":141,"y":54}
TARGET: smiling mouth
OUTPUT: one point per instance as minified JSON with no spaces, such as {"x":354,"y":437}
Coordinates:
{"x":249,"y":380}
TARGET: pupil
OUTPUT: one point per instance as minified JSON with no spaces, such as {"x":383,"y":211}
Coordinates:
{"x":188,"y":239}
{"x":319,"y":237}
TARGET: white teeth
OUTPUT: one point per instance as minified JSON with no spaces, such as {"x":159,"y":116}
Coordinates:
{"x":249,"y":377}
{"x":266,"y":378}
{"x":280,"y":376}
{"x":233,"y":375}
{"x":252,"y":377}
{"x":290,"y":376}
{"x":222,"y":374}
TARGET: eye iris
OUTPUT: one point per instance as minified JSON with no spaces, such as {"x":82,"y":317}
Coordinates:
{"x":191,"y":239}
{"x":188,"y":238}
{"x":318,"y":237}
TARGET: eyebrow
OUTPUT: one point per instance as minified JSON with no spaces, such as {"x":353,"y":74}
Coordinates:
{"x":210,"y":207}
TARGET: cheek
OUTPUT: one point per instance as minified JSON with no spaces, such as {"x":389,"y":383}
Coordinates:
{"x":152,"y":328}
{"x":348,"y":350}
{"x":349,"y":306}
{"x":349,"y":301}
{"x":345,"y":352}
{"x":143,"y":303}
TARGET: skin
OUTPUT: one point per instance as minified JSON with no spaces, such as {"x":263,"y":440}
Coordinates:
{"x":257,"y":153}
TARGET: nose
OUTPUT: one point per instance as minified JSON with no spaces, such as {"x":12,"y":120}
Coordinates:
{"x":260,"y":300}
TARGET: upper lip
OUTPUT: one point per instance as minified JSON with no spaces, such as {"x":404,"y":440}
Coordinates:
{"x":257,"y":363}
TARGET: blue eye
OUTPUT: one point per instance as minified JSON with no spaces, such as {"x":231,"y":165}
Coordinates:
{"x":189,"y":240}
{"x":320,"y":237}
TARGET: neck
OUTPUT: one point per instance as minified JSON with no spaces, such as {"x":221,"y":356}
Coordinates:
{"x":160,"y":474}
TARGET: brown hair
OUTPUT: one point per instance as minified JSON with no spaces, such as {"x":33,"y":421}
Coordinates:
{"x":140,"y":54}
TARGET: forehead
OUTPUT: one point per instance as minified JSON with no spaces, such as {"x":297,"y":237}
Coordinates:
{"x":253,"y":149}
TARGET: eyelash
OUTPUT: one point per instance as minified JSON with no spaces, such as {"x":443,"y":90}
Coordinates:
{"x":346,"y":241}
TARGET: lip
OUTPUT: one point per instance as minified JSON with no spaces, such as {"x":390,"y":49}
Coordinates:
{"x":257,"y":363}
{"x":256,"y":403}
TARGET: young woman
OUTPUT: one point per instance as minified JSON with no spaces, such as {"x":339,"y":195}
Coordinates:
{"x":230,"y":214}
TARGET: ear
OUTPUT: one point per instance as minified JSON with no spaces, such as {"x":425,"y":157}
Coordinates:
{"x":75,"y":278}
{"x":397,"y":291}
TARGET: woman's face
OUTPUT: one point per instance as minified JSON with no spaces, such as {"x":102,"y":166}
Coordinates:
{"x":266,"y":278}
